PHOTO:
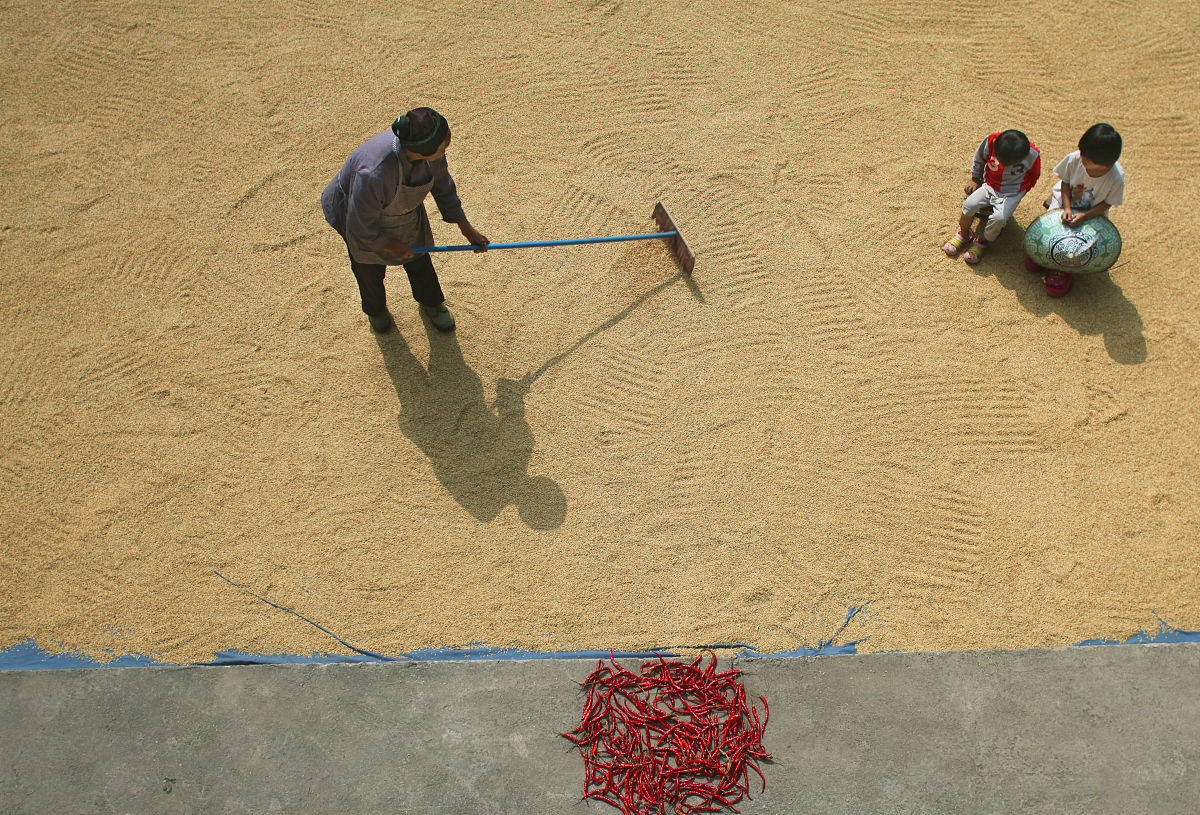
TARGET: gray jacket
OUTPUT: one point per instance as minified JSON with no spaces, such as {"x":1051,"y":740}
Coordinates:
{"x":378,"y":196}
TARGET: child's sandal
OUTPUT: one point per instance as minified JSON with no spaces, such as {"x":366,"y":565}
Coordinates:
{"x":956,"y":244}
{"x":975,"y":253}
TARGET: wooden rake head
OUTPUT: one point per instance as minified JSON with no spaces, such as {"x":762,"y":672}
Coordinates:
{"x":679,"y":247}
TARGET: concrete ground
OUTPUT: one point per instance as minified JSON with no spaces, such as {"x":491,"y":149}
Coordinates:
{"x":1071,"y":730}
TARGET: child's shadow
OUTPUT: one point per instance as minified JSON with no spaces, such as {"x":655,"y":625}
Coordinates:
{"x":1095,"y":304}
{"x":479,"y":453}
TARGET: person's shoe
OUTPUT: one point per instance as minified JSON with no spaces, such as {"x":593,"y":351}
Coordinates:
{"x":380,"y":323}
{"x":960,"y":241}
{"x":440,"y":316}
{"x":975,"y":253}
{"x":1032,"y":266}
{"x":1058,"y":283}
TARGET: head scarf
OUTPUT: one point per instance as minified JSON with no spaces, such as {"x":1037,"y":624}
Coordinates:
{"x":421,"y":130}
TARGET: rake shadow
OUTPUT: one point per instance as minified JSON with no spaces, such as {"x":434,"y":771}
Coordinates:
{"x":481,"y":452}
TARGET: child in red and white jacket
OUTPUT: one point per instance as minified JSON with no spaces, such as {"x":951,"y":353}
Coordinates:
{"x":1006,"y":166}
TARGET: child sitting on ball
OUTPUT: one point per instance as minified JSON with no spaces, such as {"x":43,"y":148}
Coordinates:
{"x":1006,"y":166}
{"x":1091,"y":182}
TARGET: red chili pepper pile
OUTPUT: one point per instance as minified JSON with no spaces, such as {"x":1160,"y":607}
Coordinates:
{"x":677,"y":738}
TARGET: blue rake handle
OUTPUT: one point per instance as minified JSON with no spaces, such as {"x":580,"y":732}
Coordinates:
{"x":526,"y":244}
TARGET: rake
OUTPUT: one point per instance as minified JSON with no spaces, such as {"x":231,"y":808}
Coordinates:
{"x":679,"y":247}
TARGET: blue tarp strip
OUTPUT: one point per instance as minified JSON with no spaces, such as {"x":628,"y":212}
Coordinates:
{"x":28,"y":656}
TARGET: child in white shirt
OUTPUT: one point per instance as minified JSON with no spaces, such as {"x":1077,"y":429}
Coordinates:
{"x":1091,"y":182}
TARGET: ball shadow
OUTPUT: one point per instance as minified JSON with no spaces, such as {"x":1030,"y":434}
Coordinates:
{"x":1095,"y":304}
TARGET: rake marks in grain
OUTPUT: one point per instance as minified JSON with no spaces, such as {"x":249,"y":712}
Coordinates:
{"x":113,"y":368}
{"x":872,"y":29}
{"x":625,"y":394}
{"x":938,"y":527}
{"x":612,"y":148}
{"x":313,"y":14}
{"x":833,"y":318}
{"x":979,"y":415}
{"x":1170,"y":56}
{"x":583,"y":212}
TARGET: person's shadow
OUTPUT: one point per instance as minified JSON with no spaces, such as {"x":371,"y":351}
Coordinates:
{"x":1095,"y":304}
{"x":479,"y":452}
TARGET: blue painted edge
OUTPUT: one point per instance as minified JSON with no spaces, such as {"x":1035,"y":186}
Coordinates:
{"x":27,"y":655}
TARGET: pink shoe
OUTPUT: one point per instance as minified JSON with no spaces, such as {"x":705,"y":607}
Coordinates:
{"x":1033,"y":267}
{"x":955,"y":245}
{"x":975,"y":253}
{"x":1058,"y":283}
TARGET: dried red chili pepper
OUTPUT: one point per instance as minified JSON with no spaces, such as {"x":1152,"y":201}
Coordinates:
{"x":676,"y":735}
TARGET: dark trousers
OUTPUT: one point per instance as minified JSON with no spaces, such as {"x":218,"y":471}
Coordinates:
{"x":421,"y":277}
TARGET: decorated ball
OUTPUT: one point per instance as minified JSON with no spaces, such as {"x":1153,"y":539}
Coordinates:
{"x":1093,"y":246}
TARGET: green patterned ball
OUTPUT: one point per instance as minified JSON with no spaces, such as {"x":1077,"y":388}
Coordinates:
{"x":1093,"y":246}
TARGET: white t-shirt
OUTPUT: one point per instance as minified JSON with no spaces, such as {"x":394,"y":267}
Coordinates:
{"x":1086,"y":191}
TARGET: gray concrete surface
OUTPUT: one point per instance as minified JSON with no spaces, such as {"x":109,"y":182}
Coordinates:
{"x":1074,"y":730}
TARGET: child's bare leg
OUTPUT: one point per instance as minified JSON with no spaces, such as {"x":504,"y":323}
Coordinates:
{"x":964,"y":223}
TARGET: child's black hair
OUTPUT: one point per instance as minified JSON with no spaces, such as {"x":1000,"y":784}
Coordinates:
{"x":1011,"y":146}
{"x":1101,"y":143}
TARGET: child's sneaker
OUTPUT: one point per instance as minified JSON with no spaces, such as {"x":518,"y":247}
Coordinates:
{"x":1058,"y":283}
{"x":955,"y":245}
{"x":1033,"y":267}
{"x":975,"y":253}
